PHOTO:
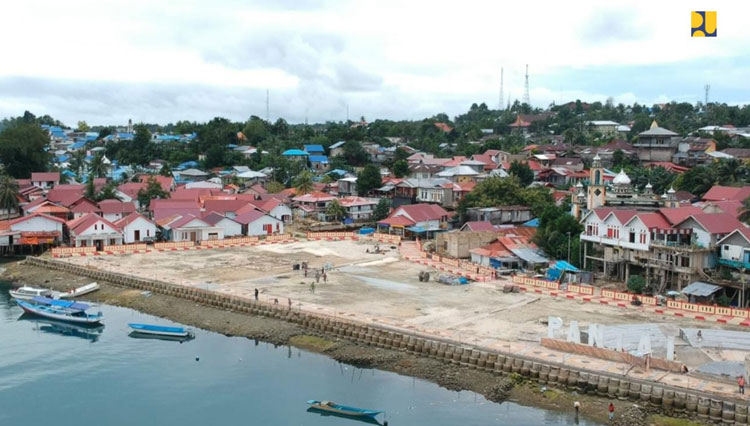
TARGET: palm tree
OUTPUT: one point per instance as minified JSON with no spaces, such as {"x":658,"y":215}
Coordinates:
{"x":97,"y":167}
{"x":107,"y":193}
{"x":78,"y":162}
{"x":745,"y":210}
{"x":304,"y":182}
{"x":336,"y":210}
{"x":8,"y":194}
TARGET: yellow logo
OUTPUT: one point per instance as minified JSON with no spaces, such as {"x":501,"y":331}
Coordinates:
{"x":703,"y":24}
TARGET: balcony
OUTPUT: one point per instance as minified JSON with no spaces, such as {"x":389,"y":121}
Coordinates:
{"x":734,"y":264}
{"x":680,"y":246}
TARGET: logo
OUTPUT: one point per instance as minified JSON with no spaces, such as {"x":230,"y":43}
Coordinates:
{"x":703,"y":24}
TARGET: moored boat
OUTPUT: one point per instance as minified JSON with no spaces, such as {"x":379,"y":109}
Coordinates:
{"x":343,"y":410}
{"x":63,"y":310}
{"x":28,"y":293}
{"x":80,"y":291}
{"x":159,"y":330}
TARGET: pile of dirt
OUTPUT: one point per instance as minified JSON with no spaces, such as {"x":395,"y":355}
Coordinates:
{"x":632,"y":416}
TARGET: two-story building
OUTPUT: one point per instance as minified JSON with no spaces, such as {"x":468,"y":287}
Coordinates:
{"x":416,"y":220}
{"x":656,"y":144}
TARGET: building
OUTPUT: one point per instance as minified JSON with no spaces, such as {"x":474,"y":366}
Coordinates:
{"x":45,"y":180}
{"x":656,"y":144}
{"x":256,"y":223}
{"x":319,"y":163}
{"x":499,"y":215}
{"x":313,"y":204}
{"x":191,"y":228}
{"x":422,"y":220}
{"x":603,"y":127}
{"x":136,"y":228}
{"x":358,"y":208}
{"x":727,"y":193}
{"x":336,"y":149}
{"x":231,"y":227}
{"x":114,"y":210}
{"x":93,"y":230}
{"x":347,"y":186}
{"x":37,"y":226}
{"x":694,"y":151}
{"x":163,"y":209}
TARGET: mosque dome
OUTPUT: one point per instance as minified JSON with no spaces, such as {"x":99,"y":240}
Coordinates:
{"x":621,"y":178}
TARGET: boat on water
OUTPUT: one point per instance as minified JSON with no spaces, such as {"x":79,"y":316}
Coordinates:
{"x":28,"y":293}
{"x":63,"y":310}
{"x":80,"y":291}
{"x":90,"y":332}
{"x":342,"y":410}
{"x":159,"y":330}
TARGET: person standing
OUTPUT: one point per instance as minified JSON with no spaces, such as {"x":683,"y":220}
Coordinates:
{"x":741,"y":384}
{"x":290,"y":303}
{"x":611,"y":410}
{"x":577,"y":407}
{"x":256,"y":294}
{"x":325,"y":277}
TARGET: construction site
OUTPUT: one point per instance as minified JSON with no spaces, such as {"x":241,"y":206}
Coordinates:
{"x":369,"y":281}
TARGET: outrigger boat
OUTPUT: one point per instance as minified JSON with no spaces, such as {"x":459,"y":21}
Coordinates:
{"x":158,"y":330}
{"x":342,"y":410}
{"x":63,"y":310}
{"x":28,"y":293}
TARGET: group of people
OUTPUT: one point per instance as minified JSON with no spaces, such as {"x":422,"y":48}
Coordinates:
{"x":610,"y":410}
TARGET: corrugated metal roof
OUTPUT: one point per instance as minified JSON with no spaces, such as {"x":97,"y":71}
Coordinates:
{"x":701,"y":289}
{"x":529,"y":255}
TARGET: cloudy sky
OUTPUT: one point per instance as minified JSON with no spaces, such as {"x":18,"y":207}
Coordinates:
{"x":163,"y":61}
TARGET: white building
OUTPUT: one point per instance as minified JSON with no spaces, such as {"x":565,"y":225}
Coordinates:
{"x":136,"y":228}
{"x":257,"y":223}
{"x":231,"y":227}
{"x":93,"y":230}
{"x":191,"y":228}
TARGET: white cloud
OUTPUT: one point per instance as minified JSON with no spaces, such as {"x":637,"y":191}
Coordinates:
{"x":384,"y":58}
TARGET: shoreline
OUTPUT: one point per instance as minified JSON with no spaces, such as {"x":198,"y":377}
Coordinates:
{"x":279,"y":332}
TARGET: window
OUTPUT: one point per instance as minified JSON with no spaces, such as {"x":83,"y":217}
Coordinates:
{"x":642,"y":237}
{"x":685,"y":261}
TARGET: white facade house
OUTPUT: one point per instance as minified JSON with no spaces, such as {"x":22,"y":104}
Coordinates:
{"x":37,"y":222}
{"x":136,"y":228}
{"x":93,"y":230}
{"x":231,"y":227}
{"x":191,"y":228}
{"x":256,"y":223}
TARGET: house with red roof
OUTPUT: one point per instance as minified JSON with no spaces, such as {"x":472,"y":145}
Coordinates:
{"x":84,"y":206}
{"x":231,"y":227}
{"x":709,"y":228}
{"x":114,"y":210}
{"x":275,"y":207}
{"x":256,"y":223}
{"x":190,"y":228}
{"x":168,"y":207}
{"x":227,"y":207}
{"x":423,"y":220}
{"x":128,"y":192}
{"x":93,"y":230}
{"x":137,"y":228}
{"x":38,"y":222}
{"x":313,"y":204}
{"x":358,"y":208}
{"x":727,"y":193}
{"x":478,"y":226}
{"x":734,"y":249}
{"x":66,"y":195}
{"x":45,"y":180}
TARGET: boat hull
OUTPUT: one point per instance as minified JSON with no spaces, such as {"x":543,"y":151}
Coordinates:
{"x":342,"y":410}
{"x":159,"y":331}
{"x":36,"y":310}
{"x":21,"y":295}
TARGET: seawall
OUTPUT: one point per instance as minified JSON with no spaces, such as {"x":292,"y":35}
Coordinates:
{"x":670,"y":400}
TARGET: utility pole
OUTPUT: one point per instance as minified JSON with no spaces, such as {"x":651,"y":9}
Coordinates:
{"x":706,"y":88}
{"x":268,"y":109}
{"x":568,"y":247}
{"x":526,"y":98}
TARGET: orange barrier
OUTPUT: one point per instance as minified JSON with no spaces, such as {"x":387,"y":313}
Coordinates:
{"x":73,"y":250}
{"x":277,"y":237}
{"x":175,"y":244}
{"x":610,"y":294}
{"x":552,"y":285}
{"x":126,"y":247}
{"x":229,"y":241}
{"x":387,"y":238}
{"x":332,"y":236}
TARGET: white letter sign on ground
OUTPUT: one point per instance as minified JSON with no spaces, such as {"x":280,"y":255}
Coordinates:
{"x":596,"y":337}
{"x":553,"y":324}
{"x":670,"y":348}
{"x":644,"y":345}
{"x":574,"y":334}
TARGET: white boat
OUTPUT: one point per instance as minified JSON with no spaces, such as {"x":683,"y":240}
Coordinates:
{"x":29,"y":293}
{"x":159,"y":330}
{"x":80,"y":291}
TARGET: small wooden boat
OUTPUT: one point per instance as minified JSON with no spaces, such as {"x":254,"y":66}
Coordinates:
{"x":343,"y":410}
{"x":80,"y":291}
{"x":63,"y":310}
{"x":28,"y":293}
{"x":159,"y":330}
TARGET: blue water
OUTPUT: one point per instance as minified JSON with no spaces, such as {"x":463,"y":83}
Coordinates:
{"x":51,"y":374}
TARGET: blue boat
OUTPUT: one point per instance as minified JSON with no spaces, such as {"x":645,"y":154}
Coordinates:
{"x":62,"y":310}
{"x":342,"y":410}
{"x":159,"y":330}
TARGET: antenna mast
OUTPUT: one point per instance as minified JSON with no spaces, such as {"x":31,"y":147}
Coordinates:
{"x":500,"y":103}
{"x":707,"y":88}
{"x":526,"y":99}
{"x":268,"y":109}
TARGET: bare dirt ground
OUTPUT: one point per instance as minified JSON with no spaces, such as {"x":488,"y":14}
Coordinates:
{"x":376,"y":286}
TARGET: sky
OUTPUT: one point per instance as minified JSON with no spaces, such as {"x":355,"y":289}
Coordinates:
{"x":162,"y":61}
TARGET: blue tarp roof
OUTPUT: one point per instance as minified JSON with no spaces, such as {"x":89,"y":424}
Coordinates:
{"x":125,"y":136}
{"x":61,"y":303}
{"x":416,"y":229}
{"x":565,"y":266}
{"x":318,"y":159}
{"x":314,"y":148}
{"x":294,"y":152}
{"x":78,"y":145}
{"x":337,"y":144}
{"x":534,"y":223}
{"x":338,"y":172}
{"x":187,"y":165}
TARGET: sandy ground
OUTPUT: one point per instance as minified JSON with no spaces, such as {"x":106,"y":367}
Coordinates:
{"x":369,"y":285}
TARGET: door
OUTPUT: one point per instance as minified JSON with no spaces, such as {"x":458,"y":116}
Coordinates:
{"x":98,"y":244}
{"x":137,"y":235}
{"x":193,"y":236}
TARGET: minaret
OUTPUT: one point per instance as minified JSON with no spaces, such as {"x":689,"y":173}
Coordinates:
{"x":577,"y":201}
{"x":597,"y":190}
{"x":130,"y":125}
{"x":671,"y":202}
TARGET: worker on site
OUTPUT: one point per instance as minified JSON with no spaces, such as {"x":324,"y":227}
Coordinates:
{"x":577,"y":407}
{"x":256,"y":294}
{"x":741,"y":384}
{"x":611,"y":410}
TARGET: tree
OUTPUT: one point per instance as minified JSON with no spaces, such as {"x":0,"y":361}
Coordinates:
{"x":304,"y":182}
{"x":522,"y":172}
{"x":153,"y":190}
{"x":165,"y":170}
{"x":8,"y":194}
{"x":368,"y":179}
{"x":636,"y":284}
{"x":274,"y":187}
{"x":382,"y":209}
{"x":215,"y":156}
{"x":83,"y":127}
{"x":255,"y":130}
{"x":108,"y":192}
{"x":22,"y":150}
{"x":355,"y":154}
{"x":90,"y":191}
{"x":336,"y":210}
{"x":400,"y":168}
{"x":97,"y":168}
{"x":78,"y":162}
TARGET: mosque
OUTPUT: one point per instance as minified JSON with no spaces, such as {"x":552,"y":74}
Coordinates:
{"x":620,"y":194}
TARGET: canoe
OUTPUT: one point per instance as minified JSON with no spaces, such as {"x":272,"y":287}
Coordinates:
{"x":62,"y":310}
{"x":159,"y":330}
{"x":80,"y":291}
{"x":345,"y":410}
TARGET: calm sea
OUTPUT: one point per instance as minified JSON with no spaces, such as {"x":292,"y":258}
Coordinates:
{"x":52,"y":374}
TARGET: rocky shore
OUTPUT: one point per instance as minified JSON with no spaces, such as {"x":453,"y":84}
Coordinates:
{"x":277,"y":332}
